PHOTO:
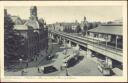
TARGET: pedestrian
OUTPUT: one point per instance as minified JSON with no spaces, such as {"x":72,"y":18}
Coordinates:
{"x":36,"y":58}
{"x":61,"y":68}
{"x":22,"y":72}
{"x":27,"y":64}
{"x":67,"y":74}
{"x":38,"y":70}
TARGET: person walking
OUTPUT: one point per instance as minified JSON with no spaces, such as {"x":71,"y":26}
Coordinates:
{"x":22,"y":72}
{"x":67,"y":74}
{"x":36,"y":58}
{"x":38,"y":70}
{"x":27,"y":64}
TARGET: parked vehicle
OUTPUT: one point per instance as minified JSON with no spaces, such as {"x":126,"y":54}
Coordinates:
{"x":104,"y":68}
{"x":47,"y":69}
{"x":69,"y":61}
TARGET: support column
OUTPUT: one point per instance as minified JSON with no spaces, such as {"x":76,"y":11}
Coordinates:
{"x":109,"y":62}
{"x":98,"y":39}
{"x":77,"y":47}
{"x":106,"y":40}
{"x":89,"y":53}
{"x":69,"y":44}
{"x":57,"y":40}
{"x":52,"y":36}
{"x":116,"y":41}
{"x":60,"y":40}
{"x":64,"y":41}
{"x":49,"y":34}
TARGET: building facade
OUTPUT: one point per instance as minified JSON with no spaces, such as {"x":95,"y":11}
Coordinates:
{"x":35,"y":35}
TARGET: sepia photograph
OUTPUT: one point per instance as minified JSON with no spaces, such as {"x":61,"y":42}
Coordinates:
{"x":75,"y":40}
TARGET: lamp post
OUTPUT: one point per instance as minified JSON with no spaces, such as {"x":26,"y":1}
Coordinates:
{"x":20,"y":62}
{"x":21,"y":65}
{"x":67,"y":74}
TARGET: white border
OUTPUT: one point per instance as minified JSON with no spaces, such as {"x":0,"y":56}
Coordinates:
{"x":63,"y":78}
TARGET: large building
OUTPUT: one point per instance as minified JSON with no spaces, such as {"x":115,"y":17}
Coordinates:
{"x":35,"y":35}
{"x":110,"y":34}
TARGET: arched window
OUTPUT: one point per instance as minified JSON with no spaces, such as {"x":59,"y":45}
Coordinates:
{"x":36,"y":33}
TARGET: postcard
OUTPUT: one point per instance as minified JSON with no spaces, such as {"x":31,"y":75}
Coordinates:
{"x":63,"y":41}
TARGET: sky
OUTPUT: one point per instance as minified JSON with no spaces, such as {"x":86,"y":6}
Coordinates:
{"x":52,"y":14}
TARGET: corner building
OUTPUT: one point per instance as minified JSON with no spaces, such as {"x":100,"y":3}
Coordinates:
{"x":35,"y":35}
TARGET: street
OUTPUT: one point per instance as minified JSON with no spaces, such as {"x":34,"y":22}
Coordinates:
{"x":85,"y":67}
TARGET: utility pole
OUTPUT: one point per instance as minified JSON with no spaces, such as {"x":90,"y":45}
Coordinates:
{"x":67,"y":74}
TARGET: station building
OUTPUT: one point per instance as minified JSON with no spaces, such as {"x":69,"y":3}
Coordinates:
{"x":109,"y":36}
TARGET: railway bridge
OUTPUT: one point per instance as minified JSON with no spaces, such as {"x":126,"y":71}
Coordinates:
{"x":90,"y":45}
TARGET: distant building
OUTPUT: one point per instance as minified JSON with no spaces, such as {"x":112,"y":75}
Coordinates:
{"x":74,"y":27}
{"x":64,"y":25}
{"x":58,"y":27}
{"x":84,"y":23}
{"x":35,"y":35}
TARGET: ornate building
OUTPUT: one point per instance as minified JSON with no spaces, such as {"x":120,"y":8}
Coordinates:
{"x":35,"y":35}
{"x":84,"y":23}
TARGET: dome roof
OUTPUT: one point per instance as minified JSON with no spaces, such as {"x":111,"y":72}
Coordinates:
{"x":33,"y":7}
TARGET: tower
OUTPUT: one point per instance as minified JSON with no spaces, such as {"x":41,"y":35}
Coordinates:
{"x":76,"y":21}
{"x":5,"y":12}
{"x":84,"y":18}
{"x":33,"y":12}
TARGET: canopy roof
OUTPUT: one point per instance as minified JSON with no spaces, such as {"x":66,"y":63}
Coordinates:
{"x":108,"y":29}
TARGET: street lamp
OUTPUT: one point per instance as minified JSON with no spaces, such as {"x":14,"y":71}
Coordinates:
{"x":67,"y":71}
{"x":21,"y":62}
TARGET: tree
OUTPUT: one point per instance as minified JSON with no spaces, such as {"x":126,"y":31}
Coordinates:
{"x":8,"y":34}
{"x":12,"y":42}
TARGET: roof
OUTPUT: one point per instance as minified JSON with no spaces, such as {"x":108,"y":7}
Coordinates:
{"x":119,"y":20}
{"x":32,"y":23}
{"x":108,"y":29}
{"x":16,"y":19}
{"x":20,"y":27}
{"x":33,"y":7}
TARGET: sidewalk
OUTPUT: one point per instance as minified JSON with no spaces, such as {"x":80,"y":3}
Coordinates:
{"x":37,"y":59}
{"x":117,"y":71}
{"x":31,"y":66}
